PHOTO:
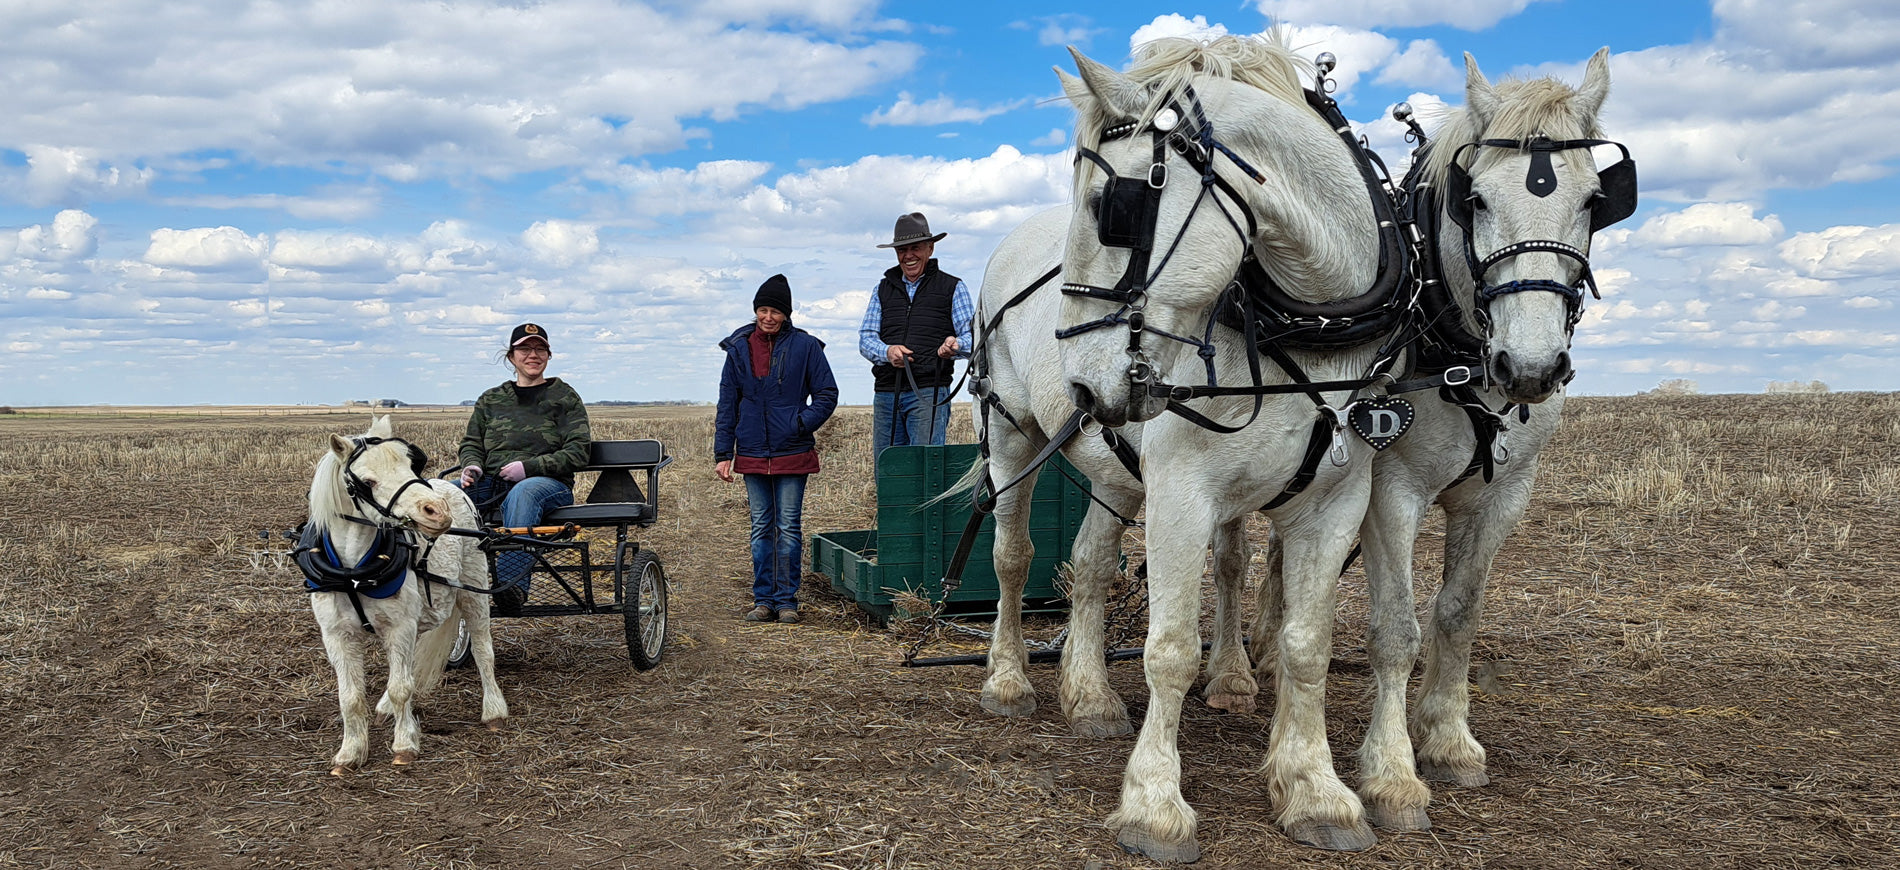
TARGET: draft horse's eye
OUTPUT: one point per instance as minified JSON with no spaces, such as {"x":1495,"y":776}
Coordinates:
{"x":1477,"y":203}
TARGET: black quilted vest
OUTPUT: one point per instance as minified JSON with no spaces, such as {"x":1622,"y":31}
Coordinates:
{"x":920,"y":324}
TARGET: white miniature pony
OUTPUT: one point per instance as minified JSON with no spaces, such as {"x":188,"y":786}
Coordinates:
{"x":1509,"y":186}
{"x":1149,"y":254}
{"x":1023,"y":401}
{"x":364,"y":585}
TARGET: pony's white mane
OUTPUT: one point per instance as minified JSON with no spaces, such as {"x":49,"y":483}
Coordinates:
{"x":1163,"y":66}
{"x":1524,"y":108}
{"x":329,"y":501}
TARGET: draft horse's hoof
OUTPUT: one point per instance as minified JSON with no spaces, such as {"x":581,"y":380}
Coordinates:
{"x":1397,"y":819}
{"x":339,"y":770}
{"x":1100,"y":728}
{"x":1463,"y":778}
{"x":1234,"y":703}
{"x":1141,"y":843}
{"x":1021,"y":707}
{"x":404,"y":757}
{"x":1336,"y":838}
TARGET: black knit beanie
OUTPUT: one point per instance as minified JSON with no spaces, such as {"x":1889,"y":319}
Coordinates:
{"x":776,"y":292}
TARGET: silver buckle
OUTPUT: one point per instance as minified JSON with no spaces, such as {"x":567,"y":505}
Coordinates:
{"x":1461,"y":373}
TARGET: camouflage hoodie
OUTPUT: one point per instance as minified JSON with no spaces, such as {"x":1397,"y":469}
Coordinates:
{"x":550,"y":437}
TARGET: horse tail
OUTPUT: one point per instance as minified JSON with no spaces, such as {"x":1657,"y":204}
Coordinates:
{"x":432,"y":652}
{"x":979,"y":472}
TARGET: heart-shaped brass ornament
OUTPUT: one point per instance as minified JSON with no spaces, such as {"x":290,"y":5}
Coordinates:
{"x":1380,"y":420}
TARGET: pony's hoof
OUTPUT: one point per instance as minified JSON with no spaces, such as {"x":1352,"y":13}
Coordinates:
{"x":1321,"y":835}
{"x":1142,"y":843}
{"x":493,"y":725}
{"x":1023,"y":706}
{"x":1231,"y":703}
{"x":1463,"y":778}
{"x":404,"y":757}
{"x":1100,"y":727}
{"x":1398,"y":818}
{"x":339,"y":770}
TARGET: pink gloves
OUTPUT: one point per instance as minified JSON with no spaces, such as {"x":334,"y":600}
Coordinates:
{"x":470,"y":475}
{"x":513,"y":472}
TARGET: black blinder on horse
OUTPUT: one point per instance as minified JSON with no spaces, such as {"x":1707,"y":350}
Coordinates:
{"x":1125,"y":215}
{"x":1616,"y":184}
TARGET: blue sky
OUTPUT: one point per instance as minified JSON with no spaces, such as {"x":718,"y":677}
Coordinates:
{"x":278,"y":202}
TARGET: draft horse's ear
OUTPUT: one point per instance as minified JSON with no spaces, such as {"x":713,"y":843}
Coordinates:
{"x":1479,"y":97}
{"x":341,"y":446}
{"x":1595,"y":89}
{"x":1119,"y":97}
{"x":380,"y":427}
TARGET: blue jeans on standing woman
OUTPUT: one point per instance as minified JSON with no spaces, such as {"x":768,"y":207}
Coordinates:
{"x":524,"y":505}
{"x":903,"y":418}
{"x":778,"y":507}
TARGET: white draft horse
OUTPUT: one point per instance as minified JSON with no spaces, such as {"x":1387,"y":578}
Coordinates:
{"x":1148,"y":256}
{"x":367,"y":493}
{"x":1024,"y":401}
{"x":1523,"y":214}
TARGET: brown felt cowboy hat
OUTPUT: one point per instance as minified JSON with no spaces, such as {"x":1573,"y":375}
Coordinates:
{"x":911,"y":229}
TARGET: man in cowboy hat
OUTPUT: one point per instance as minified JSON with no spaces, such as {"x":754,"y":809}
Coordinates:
{"x":915,"y":329}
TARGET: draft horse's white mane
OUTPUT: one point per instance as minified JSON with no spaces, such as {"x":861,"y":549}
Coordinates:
{"x":1163,"y":66}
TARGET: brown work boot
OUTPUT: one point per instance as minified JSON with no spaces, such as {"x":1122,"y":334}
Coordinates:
{"x":788,"y":616}
{"x":760,"y":613}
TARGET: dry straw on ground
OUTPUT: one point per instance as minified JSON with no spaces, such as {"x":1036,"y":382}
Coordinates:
{"x":1689,"y":659}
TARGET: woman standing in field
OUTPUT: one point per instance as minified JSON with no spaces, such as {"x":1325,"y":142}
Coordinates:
{"x":526,"y":438}
{"x":775,"y":391}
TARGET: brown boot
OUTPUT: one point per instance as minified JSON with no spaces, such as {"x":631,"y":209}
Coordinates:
{"x":788,"y":616}
{"x":760,"y":613}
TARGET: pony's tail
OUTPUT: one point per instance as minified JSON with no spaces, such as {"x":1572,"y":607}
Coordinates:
{"x":979,"y":472}
{"x":432,"y":652}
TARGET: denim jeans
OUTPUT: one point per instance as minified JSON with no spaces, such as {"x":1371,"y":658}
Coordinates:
{"x":778,"y":507}
{"x":524,"y":505}
{"x":903,"y":418}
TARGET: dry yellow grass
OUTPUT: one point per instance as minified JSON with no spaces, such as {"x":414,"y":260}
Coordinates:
{"x":1688,"y":659}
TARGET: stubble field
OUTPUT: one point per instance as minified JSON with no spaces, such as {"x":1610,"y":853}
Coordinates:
{"x":1689,"y":659}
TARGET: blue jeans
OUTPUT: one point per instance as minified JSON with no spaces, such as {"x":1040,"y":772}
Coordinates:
{"x":903,"y":418}
{"x":778,"y":508}
{"x":524,"y":505}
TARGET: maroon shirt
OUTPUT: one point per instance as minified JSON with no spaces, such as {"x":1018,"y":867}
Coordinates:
{"x":760,"y":345}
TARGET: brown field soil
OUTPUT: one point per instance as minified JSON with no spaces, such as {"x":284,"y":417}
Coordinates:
{"x":1689,"y":659}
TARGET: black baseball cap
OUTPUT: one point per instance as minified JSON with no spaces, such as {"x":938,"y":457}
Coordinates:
{"x":527,"y":331}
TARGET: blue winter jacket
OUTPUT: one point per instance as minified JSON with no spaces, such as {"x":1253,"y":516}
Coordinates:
{"x":777,"y":414}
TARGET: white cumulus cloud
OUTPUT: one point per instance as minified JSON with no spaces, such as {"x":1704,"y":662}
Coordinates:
{"x":205,"y":249}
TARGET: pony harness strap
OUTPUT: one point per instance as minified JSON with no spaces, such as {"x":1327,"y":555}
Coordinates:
{"x":378,"y":574}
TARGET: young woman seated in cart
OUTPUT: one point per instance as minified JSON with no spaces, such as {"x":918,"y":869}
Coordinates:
{"x":526,"y":438}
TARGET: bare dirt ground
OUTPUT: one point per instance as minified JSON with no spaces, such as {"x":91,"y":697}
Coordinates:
{"x":1689,"y":659}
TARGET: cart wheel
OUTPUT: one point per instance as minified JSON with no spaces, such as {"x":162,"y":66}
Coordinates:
{"x":462,"y":654}
{"x":641,"y":585}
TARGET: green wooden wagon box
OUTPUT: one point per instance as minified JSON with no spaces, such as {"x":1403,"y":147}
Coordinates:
{"x":912,"y":543}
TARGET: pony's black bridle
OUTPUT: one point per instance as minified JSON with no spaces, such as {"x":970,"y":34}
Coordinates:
{"x":361,"y":492}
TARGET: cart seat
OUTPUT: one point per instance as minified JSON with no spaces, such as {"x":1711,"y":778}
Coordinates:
{"x":611,"y":513}
{"x":616,"y":500}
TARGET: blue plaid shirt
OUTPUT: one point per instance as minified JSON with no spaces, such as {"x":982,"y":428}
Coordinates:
{"x":962,"y":313}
